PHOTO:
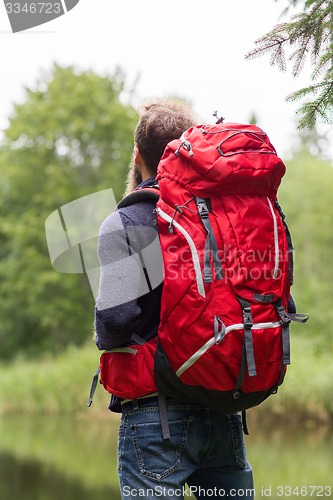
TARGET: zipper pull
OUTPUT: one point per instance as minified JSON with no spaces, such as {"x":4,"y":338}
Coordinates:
{"x":179,"y":210}
{"x":186,"y":145}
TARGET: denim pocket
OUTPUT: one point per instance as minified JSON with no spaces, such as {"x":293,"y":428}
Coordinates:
{"x":158,"y":458}
{"x":237,"y":436}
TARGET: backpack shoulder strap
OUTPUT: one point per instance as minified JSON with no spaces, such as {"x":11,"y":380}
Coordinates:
{"x":143,"y":194}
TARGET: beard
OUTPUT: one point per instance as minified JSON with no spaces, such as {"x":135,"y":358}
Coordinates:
{"x":134,"y":177}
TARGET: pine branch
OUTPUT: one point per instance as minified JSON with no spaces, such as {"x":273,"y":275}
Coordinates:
{"x":324,"y":64}
{"x":272,"y":42}
{"x":311,"y":35}
{"x":308,"y":31}
{"x":299,"y":94}
{"x":322,"y":106}
{"x":299,"y":55}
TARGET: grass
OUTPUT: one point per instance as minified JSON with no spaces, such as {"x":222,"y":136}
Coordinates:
{"x":306,"y":394}
{"x":61,"y":384}
{"x":51,"y":385}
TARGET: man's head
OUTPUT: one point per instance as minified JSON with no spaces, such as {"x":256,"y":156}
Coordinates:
{"x":160,"y":122}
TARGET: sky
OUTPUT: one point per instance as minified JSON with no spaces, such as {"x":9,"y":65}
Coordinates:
{"x":192,"y":49}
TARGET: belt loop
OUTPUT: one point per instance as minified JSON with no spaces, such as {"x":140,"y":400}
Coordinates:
{"x":135,"y":404}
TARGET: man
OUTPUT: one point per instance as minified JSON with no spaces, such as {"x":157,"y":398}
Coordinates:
{"x":206,"y":449}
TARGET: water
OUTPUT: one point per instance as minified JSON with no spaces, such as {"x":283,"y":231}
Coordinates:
{"x":52,"y":458}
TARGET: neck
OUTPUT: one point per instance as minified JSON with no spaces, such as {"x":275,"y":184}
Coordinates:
{"x":145,"y":173}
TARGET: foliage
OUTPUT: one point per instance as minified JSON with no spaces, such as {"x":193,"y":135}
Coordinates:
{"x":59,"y":385}
{"x":72,"y":136}
{"x":306,"y":391}
{"x":306,"y":198}
{"x":309,"y":33}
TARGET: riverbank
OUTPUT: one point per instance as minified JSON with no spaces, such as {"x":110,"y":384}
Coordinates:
{"x":60,"y":385}
{"x":67,"y":457}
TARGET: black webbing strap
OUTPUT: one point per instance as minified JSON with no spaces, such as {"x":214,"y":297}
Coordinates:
{"x":210,"y":245}
{"x":290,"y":243}
{"x":241,"y":374}
{"x":163,"y":416}
{"x":244,"y":423}
{"x":248,"y":341}
{"x":93,"y":387}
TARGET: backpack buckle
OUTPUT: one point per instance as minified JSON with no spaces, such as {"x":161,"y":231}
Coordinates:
{"x":247,"y":317}
{"x":285,"y":318}
{"x":202,"y":208}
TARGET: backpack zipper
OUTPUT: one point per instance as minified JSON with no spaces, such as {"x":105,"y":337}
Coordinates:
{"x":276,"y":239}
{"x":193,"y":249}
{"x":200,"y":352}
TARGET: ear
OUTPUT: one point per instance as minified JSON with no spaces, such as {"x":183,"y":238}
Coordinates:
{"x":140,"y":164}
{"x":138,"y":160}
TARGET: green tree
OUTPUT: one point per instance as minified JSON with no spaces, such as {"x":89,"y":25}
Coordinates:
{"x":310,"y":35}
{"x":72,"y":136}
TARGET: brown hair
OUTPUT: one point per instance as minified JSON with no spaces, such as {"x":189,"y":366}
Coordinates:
{"x":160,"y":122}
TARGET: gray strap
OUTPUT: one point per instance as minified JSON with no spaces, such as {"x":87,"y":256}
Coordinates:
{"x":285,"y":345}
{"x":240,"y":378}
{"x":251,"y":366}
{"x":137,"y":339}
{"x":216,"y":255}
{"x":163,"y":416}
{"x":264,"y":299}
{"x":93,"y":387}
{"x":285,"y":318}
{"x":299,"y":317}
{"x":248,"y":341}
{"x":210,"y":245}
{"x":208,"y":278}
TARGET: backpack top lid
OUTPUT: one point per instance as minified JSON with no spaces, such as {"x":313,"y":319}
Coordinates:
{"x":228,"y":158}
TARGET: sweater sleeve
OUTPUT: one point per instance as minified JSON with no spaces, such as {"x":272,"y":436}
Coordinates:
{"x":122,"y":281}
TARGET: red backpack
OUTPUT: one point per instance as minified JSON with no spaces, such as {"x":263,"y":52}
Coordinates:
{"x":223,"y":338}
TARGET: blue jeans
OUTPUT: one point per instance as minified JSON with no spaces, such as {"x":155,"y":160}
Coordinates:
{"x":206,"y":450}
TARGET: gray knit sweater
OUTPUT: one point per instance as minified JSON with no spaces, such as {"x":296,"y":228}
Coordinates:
{"x":131,"y":276}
